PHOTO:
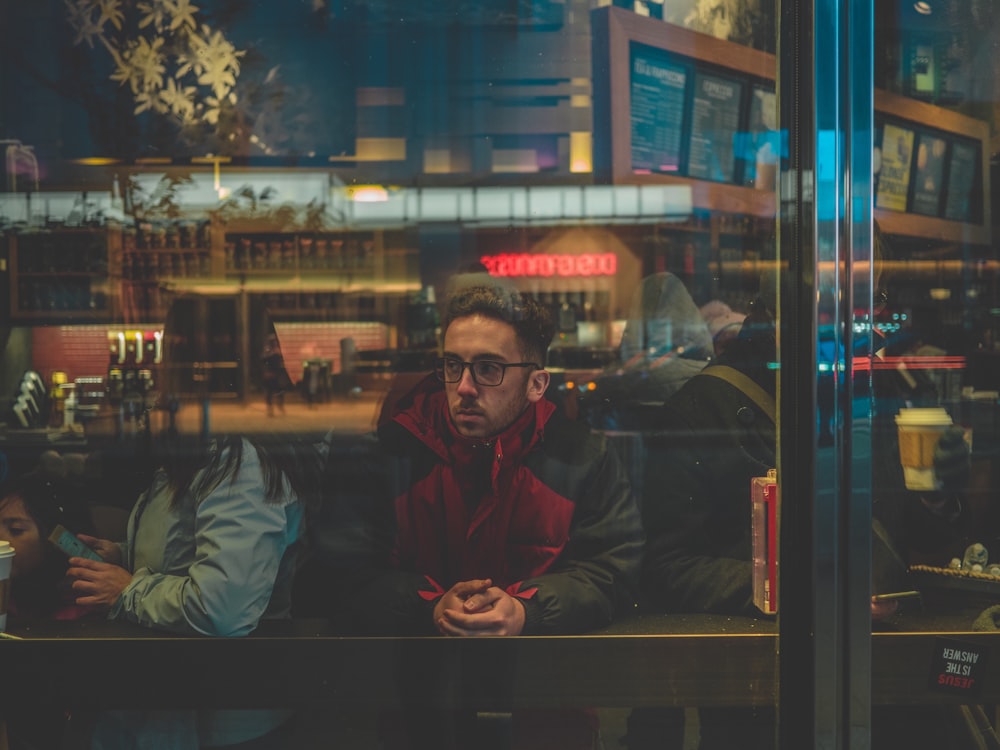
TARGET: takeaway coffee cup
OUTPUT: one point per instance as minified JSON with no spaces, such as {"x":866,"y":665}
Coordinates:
{"x":919,"y":432}
{"x":6,"y":558}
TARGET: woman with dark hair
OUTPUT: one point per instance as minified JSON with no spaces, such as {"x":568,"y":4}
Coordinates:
{"x":212,"y":547}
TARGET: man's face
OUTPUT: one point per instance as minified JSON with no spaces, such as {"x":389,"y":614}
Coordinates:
{"x":18,"y":528}
{"x":483,"y":411}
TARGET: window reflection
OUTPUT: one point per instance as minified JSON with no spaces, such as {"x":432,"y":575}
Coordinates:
{"x":252,"y":225}
{"x":306,"y":182}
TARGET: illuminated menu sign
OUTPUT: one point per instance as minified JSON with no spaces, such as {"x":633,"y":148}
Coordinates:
{"x":657,"y":110}
{"x":927,"y":185}
{"x":527,"y":264}
{"x":715,"y":121}
{"x":894,"y":177}
{"x":961,"y":173}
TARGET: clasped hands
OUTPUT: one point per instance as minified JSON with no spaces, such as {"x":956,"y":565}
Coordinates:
{"x":476,"y":608}
{"x":98,"y":584}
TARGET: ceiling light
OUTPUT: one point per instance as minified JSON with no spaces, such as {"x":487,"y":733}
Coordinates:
{"x":368,"y":194}
{"x":922,"y":8}
{"x":96,"y":161}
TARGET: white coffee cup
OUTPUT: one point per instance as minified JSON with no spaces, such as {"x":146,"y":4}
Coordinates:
{"x":919,"y":433}
{"x":6,"y":559}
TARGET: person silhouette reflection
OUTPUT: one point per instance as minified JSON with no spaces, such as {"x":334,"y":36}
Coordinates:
{"x":665,"y":342}
{"x":212,"y":546}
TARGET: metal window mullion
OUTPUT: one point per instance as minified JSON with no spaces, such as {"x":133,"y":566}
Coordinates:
{"x":825,"y":75}
{"x":859,"y":75}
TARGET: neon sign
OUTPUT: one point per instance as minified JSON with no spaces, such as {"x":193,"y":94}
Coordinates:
{"x":527,"y":264}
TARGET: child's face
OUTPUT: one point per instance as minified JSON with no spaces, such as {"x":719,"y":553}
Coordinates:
{"x":18,"y":528}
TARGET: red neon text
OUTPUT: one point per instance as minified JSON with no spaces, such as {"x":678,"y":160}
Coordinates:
{"x":526,"y":264}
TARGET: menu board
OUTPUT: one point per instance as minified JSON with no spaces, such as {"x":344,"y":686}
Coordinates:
{"x":928,"y":183}
{"x":894,"y":177}
{"x":715,"y":121}
{"x":657,"y":110}
{"x":961,"y":173}
{"x":671,"y":106}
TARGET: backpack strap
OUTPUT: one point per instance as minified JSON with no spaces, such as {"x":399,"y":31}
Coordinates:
{"x":746,"y":385}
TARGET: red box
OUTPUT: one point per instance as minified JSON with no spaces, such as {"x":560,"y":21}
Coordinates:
{"x":764,"y":525}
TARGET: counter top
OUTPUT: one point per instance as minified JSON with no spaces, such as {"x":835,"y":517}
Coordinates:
{"x":681,"y":660}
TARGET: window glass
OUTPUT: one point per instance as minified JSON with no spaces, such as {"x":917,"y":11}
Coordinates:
{"x":932,"y":379}
{"x":238,"y":238}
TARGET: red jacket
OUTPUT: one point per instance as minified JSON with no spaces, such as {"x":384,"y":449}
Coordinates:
{"x":479,"y":512}
{"x":545,"y":510}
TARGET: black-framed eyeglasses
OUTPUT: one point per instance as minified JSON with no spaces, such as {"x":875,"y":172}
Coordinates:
{"x":484,"y":371}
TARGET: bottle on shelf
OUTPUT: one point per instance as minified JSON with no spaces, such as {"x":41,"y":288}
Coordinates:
{"x":288,"y":254}
{"x":308,"y":259}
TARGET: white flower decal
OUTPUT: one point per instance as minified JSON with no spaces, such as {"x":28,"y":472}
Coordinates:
{"x":170,"y":66}
{"x":183,"y":15}
{"x":216,"y":61}
{"x":179,"y":100}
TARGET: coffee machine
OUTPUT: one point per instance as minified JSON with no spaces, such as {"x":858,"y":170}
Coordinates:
{"x":134,"y":356}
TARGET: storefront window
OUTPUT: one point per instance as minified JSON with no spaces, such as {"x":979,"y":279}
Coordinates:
{"x":932,"y":453}
{"x":232,"y":234}
{"x":231,"y":240}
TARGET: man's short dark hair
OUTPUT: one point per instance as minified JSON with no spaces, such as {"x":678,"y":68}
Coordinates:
{"x":531,"y":321}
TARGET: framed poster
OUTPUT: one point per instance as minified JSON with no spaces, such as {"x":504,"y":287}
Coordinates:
{"x":936,"y":158}
{"x":961,"y":177}
{"x":716,"y":96}
{"x":657,"y":87}
{"x":928,"y":182}
{"x":894,"y":177}
{"x":715,"y":121}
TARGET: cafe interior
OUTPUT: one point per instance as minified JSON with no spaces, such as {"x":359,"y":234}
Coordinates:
{"x":656,"y":176}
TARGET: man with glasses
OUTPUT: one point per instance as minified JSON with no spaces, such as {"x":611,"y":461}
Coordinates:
{"x":483,"y":511}
{"x":480,"y":511}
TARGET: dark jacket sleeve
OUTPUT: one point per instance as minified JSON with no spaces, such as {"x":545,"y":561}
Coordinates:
{"x":596,"y":577}
{"x":711,"y":442}
{"x":352,"y":537}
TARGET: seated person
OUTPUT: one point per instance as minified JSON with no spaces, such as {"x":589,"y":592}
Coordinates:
{"x":666,"y":341}
{"x":717,"y":434}
{"x":497,"y":517}
{"x":211,"y":549}
{"x":31,"y":506}
{"x":481,"y":511}
{"x":712,"y":440}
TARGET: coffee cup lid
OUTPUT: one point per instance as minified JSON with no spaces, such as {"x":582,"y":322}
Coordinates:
{"x":6,"y":549}
{"x":932,"y":417}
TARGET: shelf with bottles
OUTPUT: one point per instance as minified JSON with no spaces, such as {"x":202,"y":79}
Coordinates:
{"x":347,"y":254}
{"x":730,"y":243}
{"x":152,"y":266}
{"x":719,"y":223}
{"x":62,"y":273}
{"x":327,"y":305}
{"x":60,"y":252}
{"x":152,"y":251}
{"x":63,"y":297}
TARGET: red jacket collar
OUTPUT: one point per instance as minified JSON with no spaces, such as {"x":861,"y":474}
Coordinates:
{"x":424,"y":413}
